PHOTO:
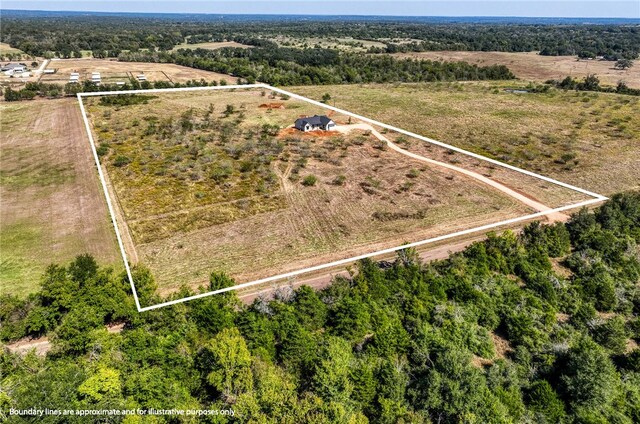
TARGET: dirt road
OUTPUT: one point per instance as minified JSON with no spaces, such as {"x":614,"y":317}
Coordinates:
{"x":345,"y":129}
{"x":42,"y":345}
{"x":321,"y":281}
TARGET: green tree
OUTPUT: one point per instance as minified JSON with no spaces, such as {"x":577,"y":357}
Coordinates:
{"x":229,"y":363}
{"x":545,"y":403}
{"x":331,"y":379}
{"x":622,"y":64}
{"x":589,"y":378}
{"x":104,"y":383}
{"x":75,"y":332}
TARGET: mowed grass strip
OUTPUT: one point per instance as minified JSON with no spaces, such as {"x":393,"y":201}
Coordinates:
{"x":53,"y":208}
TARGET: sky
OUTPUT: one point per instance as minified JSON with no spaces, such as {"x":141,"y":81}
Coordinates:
{"x":520,"y":8}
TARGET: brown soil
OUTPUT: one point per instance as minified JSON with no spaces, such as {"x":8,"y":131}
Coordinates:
{"x":112,"y":71}
{"x":272,"y":106}
{"x":41,"y":345}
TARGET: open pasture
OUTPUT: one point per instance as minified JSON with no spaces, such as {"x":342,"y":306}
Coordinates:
{"x":213,"y":45}
{"x":587,"y":139}
{"x":531,"y":66}
{"x":53,"y":208}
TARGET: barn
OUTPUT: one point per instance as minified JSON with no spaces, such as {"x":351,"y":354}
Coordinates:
{"x":314,"y":123}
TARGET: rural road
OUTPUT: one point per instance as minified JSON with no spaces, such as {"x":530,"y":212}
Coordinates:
{"x":345,"y":129}
{"x":321,"y":281}
{"x":42,"y":67}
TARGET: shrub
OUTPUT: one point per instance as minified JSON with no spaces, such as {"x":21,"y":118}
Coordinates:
{"x":121,"y":161}
{"x":339,"y":180}
{"x":309,"y":180}
{"x":102,"y":150}
{"x":413,"y":173}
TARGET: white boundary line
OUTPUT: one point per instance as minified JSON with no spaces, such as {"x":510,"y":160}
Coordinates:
{"x":596,"y":197}
{"x":379,"y":252}
{"x":106,"y":195}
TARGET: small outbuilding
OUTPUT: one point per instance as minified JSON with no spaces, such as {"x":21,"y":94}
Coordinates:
{"x":315,"y":123}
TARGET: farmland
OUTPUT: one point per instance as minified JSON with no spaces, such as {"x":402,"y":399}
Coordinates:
{"x":214,"y":181}
{"x":112,"y":71}
{"x":6,"y":49}
{"x":531,"y":66}
{"x":586,"y":139}
{"x":52,"y":206}
{"x":214,"y":45}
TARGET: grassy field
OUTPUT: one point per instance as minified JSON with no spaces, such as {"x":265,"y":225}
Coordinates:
{"x":211,"y":45}
{"x":587,"y":139}
{"x":112,"y":71}
{"x":7,"y":49}
{"x":340,"y":43}
{"x":216,"y":181}
{"x":533,"y":67}
{"x":52,"y":205}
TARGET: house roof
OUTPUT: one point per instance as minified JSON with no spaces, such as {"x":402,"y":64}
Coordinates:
{"x":314,"y":120}
{"x":10,"y":66}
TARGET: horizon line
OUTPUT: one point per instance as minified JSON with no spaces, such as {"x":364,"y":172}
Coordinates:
{"x":322,"y":15}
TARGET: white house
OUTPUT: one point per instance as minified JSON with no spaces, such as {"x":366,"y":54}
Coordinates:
{"x":314,"y":123}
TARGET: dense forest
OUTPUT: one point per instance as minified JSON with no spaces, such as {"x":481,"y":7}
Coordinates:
{"x":537,"y":327}
{"x":109,"y":35}
{"x":289,"y":66}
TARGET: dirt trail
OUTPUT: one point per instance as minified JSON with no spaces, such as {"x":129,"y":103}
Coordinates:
{"x":42,"y":345}
{"x":345,"y":129}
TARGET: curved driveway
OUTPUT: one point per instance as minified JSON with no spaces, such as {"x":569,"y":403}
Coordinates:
{"x":345,"y":129}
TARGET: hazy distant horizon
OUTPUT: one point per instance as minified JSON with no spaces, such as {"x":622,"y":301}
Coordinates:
{"x":581,"y":9}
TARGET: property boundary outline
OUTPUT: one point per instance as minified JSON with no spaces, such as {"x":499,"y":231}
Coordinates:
{"x":596,"y":198}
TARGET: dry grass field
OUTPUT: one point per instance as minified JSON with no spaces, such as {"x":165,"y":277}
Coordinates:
{"x":211,"y":46}
{"x":215,"y":182}
{"x":533,"y":67}
{"x":53,"y":207}
{"x":7,"y":49}
{"x":112,"y":71}
{"x":591,"y":140}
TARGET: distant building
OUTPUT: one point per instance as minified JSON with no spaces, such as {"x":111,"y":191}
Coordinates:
{"x":314,"y":123}
{"x":14,"y":68}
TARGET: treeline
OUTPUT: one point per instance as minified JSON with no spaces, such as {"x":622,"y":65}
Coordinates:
{"x":612,"y":42}
{"x":537,"y":327}
{"x":288,"y":66}
{"x":592,"y":83}
{"x":109,"y":35}
{"x":40,"y":89}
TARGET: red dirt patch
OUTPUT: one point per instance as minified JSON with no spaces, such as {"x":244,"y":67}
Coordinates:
{"x":311,"y":134}
{"x":272,"y":106}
